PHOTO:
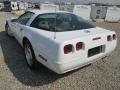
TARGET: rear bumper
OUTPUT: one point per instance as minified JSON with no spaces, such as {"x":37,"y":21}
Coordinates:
{"x":61,"y":68}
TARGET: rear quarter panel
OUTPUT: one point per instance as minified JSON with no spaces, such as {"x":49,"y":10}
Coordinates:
{"x":43,"y":44}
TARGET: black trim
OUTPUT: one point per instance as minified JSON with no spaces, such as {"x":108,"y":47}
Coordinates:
{"x":42,"y":58}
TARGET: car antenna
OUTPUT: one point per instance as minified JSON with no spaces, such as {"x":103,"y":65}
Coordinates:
{"x":55,"y":21}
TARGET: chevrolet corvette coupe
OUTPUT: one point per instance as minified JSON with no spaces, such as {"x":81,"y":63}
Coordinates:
{"x":60,"y":40}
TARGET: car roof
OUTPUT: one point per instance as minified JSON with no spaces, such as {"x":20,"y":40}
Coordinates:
{"x":38,"y":11}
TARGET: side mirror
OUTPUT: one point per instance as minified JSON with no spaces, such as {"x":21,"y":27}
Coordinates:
{"x":13,"y":19}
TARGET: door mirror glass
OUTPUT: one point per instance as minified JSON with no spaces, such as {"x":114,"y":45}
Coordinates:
{"x":13,"y":19}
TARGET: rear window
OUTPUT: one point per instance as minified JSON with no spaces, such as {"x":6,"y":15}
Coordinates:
{"x":71,"y":22}
{"x":60,"y":22}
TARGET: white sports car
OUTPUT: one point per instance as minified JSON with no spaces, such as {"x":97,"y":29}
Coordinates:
{"x":60,"y":40}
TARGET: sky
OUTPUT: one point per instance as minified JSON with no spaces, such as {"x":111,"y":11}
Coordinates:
{"x":113,"y":2}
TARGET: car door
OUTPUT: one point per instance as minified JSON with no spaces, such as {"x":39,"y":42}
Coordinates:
{"x":21,"y":24}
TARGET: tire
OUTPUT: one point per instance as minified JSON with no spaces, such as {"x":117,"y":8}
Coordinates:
{"x":8,"y":31}
{"x":29,"y":54}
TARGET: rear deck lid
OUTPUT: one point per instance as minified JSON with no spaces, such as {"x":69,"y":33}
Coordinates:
{"x":69,"y":35}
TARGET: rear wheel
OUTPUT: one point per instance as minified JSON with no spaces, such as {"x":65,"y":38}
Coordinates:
{"x":29,"y":54}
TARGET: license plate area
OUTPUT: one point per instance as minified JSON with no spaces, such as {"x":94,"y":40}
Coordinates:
{"x":96,"y":50}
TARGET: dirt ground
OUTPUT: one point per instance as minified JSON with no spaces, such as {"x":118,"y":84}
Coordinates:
{"x":15,"y":75}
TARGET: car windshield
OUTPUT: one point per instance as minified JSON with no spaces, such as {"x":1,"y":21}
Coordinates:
{"x":70,"y":22}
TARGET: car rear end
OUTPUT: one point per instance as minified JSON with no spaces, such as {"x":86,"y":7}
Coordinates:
{"x":78,"y":52}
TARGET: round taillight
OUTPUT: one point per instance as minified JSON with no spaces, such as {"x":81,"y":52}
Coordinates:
{"x":109,"y":38}
{"x":114,"y":37}
{"x":67,"y":49}
{"x":79,"y":46}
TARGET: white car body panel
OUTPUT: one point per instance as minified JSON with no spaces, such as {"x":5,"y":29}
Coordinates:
{"x":51,"y":49}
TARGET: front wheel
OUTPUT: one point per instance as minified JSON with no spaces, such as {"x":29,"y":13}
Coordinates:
{"x":29,"y":54}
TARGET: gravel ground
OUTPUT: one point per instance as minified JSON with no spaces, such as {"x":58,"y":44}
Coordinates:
{"x":15,"y":75}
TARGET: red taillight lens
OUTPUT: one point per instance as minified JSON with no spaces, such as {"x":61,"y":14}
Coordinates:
{"x":109,"y":38}
{"x":114,"y":37}
{"x":79,"y":46}
{"x":68,"y":49}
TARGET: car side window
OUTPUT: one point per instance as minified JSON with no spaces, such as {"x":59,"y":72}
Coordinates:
{"x":44,"y":22}
{"x":23,"y":19}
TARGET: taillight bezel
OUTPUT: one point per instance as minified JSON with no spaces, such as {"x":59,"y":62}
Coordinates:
{"x":68,"y":49}
{"x":109,"y":38}
{"x":114,"y":37}
{"x":80,"y":45}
